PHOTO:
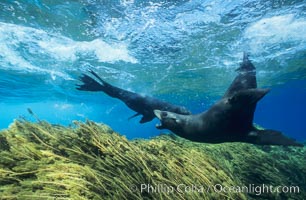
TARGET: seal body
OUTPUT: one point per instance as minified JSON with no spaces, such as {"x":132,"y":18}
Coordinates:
{"x":230,"y":119}
{"x":142,"y":105}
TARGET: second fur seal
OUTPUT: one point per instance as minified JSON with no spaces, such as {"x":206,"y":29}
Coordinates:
{"x":142,"y":105}
{"x":230,"y":119}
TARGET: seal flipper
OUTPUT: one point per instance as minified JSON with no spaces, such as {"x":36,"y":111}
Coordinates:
{"x":99,"y":78}
{"x":134,"y":116}
{"x":98,"y":84}
{"x":146,"y":118}
{"x":271,"y":137}
{"x":89,"y":84}
{"x":246,"y":65}
{"x":246,"y":79}
{"x":247,"y":97}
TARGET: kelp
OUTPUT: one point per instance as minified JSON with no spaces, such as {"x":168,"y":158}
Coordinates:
{"x":91,"y":161}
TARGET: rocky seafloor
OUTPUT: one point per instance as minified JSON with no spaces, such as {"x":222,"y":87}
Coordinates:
{"x":91,"y":161}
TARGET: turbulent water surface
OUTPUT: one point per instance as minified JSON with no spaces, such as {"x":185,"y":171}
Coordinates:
{"x":183,"y":51}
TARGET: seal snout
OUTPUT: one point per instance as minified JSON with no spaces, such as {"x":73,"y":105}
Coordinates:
{"x":159,"y":115}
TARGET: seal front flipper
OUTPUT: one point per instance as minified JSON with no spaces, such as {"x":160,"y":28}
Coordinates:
{"x":247,"y":97}
{"x":134,"y":116}
{"x":271,"y":137}
{"x":146,"y":118}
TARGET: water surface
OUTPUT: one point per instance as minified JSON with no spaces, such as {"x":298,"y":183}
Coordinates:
{"x":183,"y":51}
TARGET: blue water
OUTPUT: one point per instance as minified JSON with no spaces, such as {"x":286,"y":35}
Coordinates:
{"x":183,"y":52}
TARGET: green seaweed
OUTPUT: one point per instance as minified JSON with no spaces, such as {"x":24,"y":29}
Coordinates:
{"x":91,"y":161}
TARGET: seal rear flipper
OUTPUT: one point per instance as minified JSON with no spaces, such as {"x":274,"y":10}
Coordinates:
{"x":246,"y":64}
{"x":246,"y":79}
{"x":89,"y":84}
{"x":271,"y":137}
{"x":99,"y":78}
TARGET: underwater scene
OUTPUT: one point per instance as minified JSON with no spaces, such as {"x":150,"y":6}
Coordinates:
{"x":158,"y":99}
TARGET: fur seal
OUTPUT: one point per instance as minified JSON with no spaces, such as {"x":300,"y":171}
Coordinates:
{"x":142,"y":105}
{"x":230,"y":119}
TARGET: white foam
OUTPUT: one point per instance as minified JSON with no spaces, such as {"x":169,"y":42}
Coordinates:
{"x":66,"y":49}
{"x":195,"y":18}
{"x":40,"y":46}
{"x":106,"y":52}
{"x":11,"y":60}
{"x":268,"y":32}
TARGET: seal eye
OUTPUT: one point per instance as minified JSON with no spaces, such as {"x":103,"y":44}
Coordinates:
{"x":164,"y":114}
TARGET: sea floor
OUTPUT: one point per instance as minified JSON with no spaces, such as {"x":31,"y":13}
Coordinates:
{"x":91,"y":161}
